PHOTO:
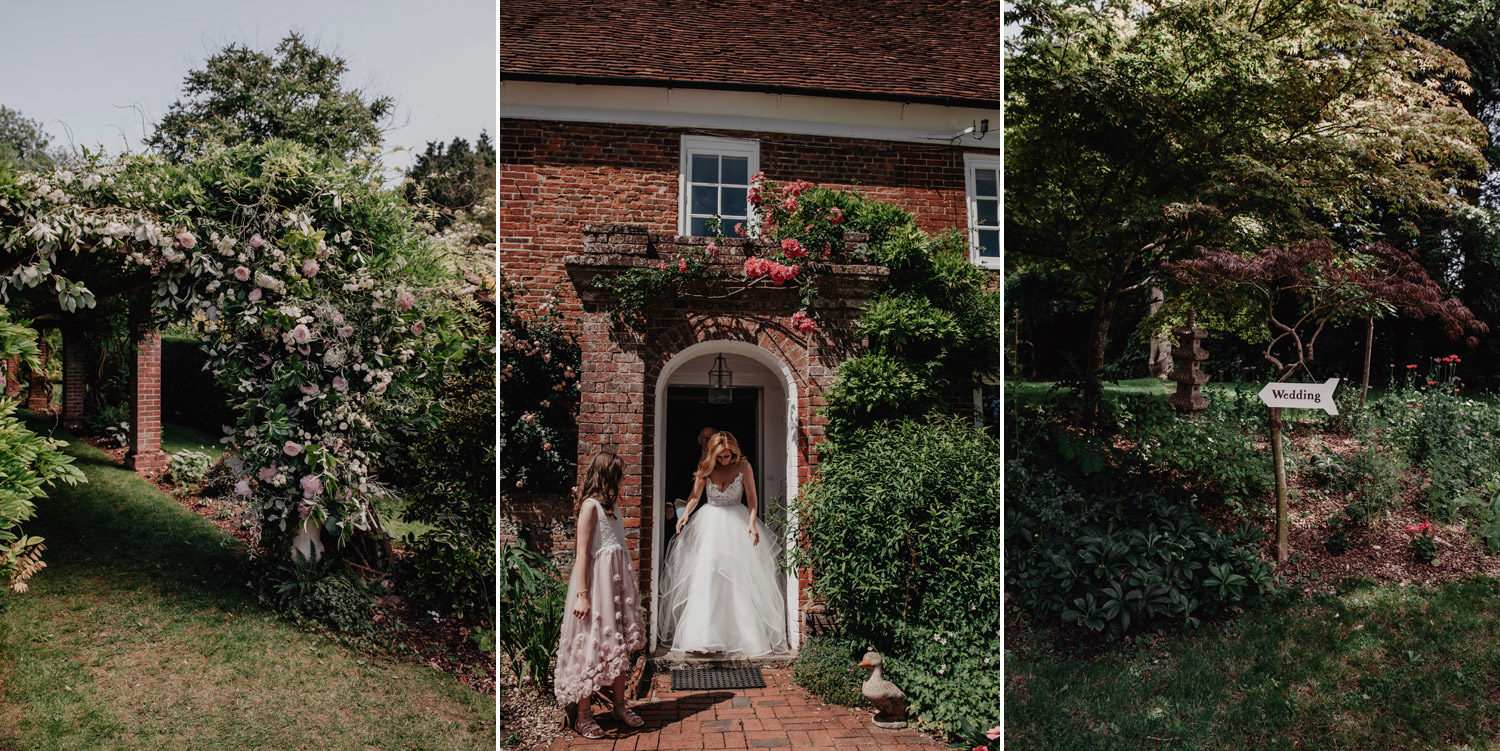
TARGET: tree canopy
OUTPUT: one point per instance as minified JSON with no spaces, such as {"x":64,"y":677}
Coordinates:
{"x":1138,"y":132}
{"x":295,"y":93}
{"x":23,"y":142}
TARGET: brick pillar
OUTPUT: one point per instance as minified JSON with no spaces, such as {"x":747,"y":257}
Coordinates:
{"x":145,"y":453}
{"x":38,"y":391}
{"x":10,"y":370}
{"x":75,"y":375}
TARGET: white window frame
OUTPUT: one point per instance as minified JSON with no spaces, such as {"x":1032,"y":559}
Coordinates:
{"x":973,"y":161}
{"x":716,"y":146}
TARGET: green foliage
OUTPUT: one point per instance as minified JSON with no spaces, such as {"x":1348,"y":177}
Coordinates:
{"x":914,"y":541}
{"x":316,"y":593}
{"x":952,"y":678}
{"x":1449,"y":436}
{"x":532,"y":593}
{"x":245,"y":96}
{"x":1215,"y":452}
{"x":538,"y":397}
{"x":1424,"y":549}
{"x":828,"y":667}
{"x":453,"y":489}
{"x":112,"y":425}
{"x":878,"y":387}
{"x":188,"y":467}
{"x":23,"y":143}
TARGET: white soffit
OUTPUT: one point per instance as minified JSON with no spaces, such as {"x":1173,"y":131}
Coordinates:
{"x":749,"y":111}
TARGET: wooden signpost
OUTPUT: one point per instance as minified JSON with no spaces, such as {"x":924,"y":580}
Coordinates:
{"x":1295,"y":396}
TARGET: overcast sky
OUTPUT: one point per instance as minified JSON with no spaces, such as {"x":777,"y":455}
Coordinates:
{"x":102,"y":72}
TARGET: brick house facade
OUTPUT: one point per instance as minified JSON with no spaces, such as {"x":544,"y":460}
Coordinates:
{"x":602,"y":147}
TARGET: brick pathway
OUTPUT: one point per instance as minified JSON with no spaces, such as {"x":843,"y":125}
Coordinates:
{"x":781,"y":716}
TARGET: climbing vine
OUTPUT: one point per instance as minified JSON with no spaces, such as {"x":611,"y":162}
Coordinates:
{"x":318,"y":298}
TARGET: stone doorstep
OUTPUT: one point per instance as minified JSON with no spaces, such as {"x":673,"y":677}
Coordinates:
{"x":664,"y":661}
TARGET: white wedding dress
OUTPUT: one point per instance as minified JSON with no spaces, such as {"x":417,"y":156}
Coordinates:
{"x":719,"y":593}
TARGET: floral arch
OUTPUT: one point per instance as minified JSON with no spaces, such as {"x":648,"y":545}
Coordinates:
{"x":316,"y":294}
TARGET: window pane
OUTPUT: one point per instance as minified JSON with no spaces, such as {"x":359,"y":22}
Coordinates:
{"x":989,"y":243}
{"x":732,"y":200}
{"x":985,"y":182}
{"x":704,"y":200}
{"x":989,"y":213}
{"x":699,"y":227}
{"x":705,"y":168}
{"x":736,"y":170}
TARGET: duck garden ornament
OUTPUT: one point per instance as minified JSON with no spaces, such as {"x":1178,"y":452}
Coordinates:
{"x":889,"y":701}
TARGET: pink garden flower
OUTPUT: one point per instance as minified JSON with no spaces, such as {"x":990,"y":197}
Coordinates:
{"x":255,"y":295}
{"x":311,"y":486}
{"x":346,"y":331}
{"x":186,"y":240}
{"x":310,"y":390}
{"x":739,"y":229}
{"x":310,"y":268}
{"x":681,"y":266}
{"x":803,"y":323}
{"x":417,"y":328}
{"x":404,"y":300}
{"x":836,"y":215}
{"x":340,"y":384}
{"x":292,"y":448}
{"x":793,"y":249}
{"x":790,"y":204}
{"x":256,"y":241}
{"x":242,"y":488}
{"x":993,"y":733}
{"x":301,"y":334}
{"x":266,"y":473}
{"x":241,"y":273}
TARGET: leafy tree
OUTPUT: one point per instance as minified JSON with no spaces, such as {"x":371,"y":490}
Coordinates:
{"x":1139,"y":132}
{"x":242,"y":95}
{"x":22,"y":141}
{"x":453,"y":178}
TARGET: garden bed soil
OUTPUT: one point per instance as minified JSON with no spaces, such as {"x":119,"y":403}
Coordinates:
{"x":420,"y":637}
{"x":529,"y":717}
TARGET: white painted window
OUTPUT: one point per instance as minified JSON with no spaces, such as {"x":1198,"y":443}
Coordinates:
{"x":715,"y":182}
{"x":982,"y":181}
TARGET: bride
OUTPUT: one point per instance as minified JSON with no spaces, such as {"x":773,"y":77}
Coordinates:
{"x":719,"y":587}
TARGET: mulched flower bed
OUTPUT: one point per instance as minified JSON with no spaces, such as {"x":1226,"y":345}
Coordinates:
{"x":529,"y":717}
{"x":418,"y":636}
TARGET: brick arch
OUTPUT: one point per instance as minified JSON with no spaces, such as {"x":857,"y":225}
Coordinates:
{"x":687,"y":342}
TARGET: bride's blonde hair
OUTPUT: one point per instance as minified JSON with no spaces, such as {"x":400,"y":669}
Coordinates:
{"x":720,"y":441}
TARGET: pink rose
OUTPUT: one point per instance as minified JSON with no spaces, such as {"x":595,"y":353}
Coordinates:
{"x":681,"y":266}
{"x":292,"y":448}
{"x":739,"y":228}
{"x":241,"y":273}
{"x":417,"y":328}
{"x":346,"y":331}
{"x":301,"y":334}
{"x":713,"y":250}
{"x":242,"y":488}
{"x":266,"y":473}
{"x":340,"y":385}
{"x":186,"y":239}
{"x":404,"y":300}
{"x":993,"y":733}
{"x":836,"y":215}
{"x":793,"y":248}
{"x":790,"y":204}
{"x":378,"y":388}
{"x":255,"y":295}
{"x":310,"y":268}
{"x":311,"y":390}
{"x":256,"y":241}
{"x":311,"y":486}
{"x":802,"y":323}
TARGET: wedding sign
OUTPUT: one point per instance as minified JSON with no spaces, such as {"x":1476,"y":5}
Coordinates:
{"x":1301,"y":395}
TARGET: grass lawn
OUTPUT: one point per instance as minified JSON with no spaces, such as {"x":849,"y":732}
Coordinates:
{"x":1370,"y":667}
{"x":140,"y":634}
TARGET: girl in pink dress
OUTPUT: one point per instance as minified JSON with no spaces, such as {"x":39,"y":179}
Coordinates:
{"x":602,"y":621}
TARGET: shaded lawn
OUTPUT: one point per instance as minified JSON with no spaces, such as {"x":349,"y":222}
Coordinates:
{"x":141,"y":634}
{"x":1371,"y":667}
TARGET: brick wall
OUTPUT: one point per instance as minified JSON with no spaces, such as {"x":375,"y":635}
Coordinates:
{"x":145,"y":454}
{"x":557,"y":176}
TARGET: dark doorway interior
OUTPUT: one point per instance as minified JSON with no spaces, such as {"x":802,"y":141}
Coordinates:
{"x":688,"y":411}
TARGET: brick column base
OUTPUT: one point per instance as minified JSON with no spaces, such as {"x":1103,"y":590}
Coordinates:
{"x":10,"y":369}
{"x":75,"y":376}
{"x":38,"y":390}
{"x":145,"y":455}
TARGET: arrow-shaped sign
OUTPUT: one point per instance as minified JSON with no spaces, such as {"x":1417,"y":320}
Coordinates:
{"x":1301,"y":395}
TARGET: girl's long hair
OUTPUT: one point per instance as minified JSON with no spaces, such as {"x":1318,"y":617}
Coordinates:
{"x":720,"y":441}
{"x":601,"y":480}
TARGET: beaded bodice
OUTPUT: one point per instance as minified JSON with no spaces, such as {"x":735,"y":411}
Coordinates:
{"x":728,"y":496}
{"x":609,"y":531}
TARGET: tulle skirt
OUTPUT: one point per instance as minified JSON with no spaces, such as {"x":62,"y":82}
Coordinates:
{"x":595,"y":650}
{"x":719,"y":593}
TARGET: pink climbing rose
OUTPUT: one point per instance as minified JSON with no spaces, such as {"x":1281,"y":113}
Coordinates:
{"x":242,"y":488}
{"x":292,"y":448}
{"x":311,"y":486}
{"x":255,"y":295}
{"x":792,"y":248}
{"x":256,"y":241}
{"x":301,"y":334}
{"x":803,"y":323}
{"x":310,"y":268}
{"x":993,"y":733}
{"x":681,"y":266}
{"x":186,"y":239}
{"x":346,"y":331}
{"x":836,"y":215}
{"x":790,"y":204}
{"x":340,"y":384}
{"x":266,"y":473}
{"x":241,"y":273}
{"x":404,"y":300}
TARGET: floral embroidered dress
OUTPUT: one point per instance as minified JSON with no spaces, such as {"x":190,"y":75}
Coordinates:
{"x":595,"y":650}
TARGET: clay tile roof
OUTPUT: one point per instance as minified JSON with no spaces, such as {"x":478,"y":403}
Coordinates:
{"x":938,"y":51}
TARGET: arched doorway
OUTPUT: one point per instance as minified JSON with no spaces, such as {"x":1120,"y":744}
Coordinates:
{"x":763,"y":416}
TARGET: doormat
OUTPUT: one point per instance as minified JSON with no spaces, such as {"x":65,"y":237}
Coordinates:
{"x":712,"y":678}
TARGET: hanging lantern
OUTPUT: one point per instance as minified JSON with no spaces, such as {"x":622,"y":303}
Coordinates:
{"x":720,"y":383}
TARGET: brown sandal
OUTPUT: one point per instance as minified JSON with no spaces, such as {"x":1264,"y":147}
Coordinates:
{"x":587,"y":728}
{"x":629,"y":718}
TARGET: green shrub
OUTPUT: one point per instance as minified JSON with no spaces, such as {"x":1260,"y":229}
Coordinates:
{"x":452,"y":477}
{"x":112,"y":425}
{"x":538,"y":406}
{"x":902,"y":524}
{"x":188,"y":467}
{"x":532,"y":594}
{"x":316,"y":593}
{"x":828,"y":667}
{"x":952,"y":678}
{"x":1452,"y":438}
{"x":1215,"y":452}
{"x":877,"y":387}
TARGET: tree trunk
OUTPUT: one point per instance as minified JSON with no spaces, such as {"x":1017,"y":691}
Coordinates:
{"x":1369,"y":343}
{"x":1159,"y":361}
{"x":1093,"y":374}
{"x":1279,"y":458}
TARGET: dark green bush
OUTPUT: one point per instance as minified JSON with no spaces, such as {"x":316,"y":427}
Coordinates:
{"x":453,"y":489}
{"x":828,"y":667}
{"x":952,"y":678}
{"x":532,"y":594}
{"x":316,"y":593}
{"x":877,"y":387}
{"x":1215,"y":452}
{"x":538,"y":398}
